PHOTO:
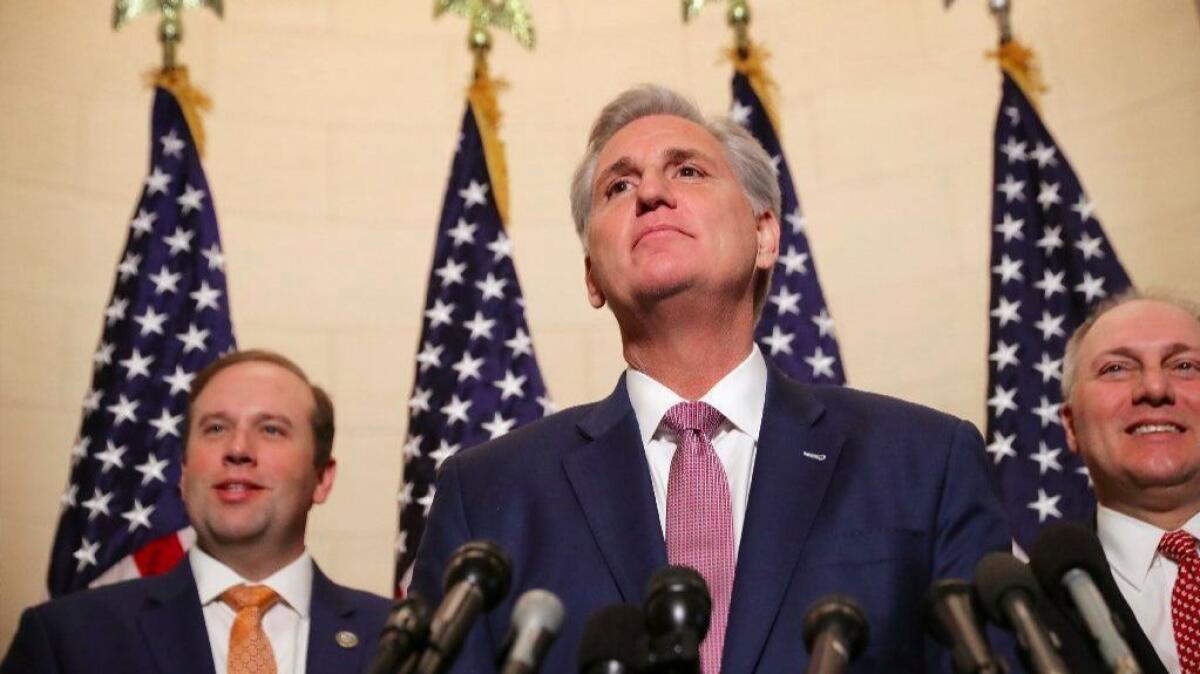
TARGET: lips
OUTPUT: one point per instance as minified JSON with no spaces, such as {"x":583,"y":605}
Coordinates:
{"x":237,"y":491}
{"x":1153,"y":427}
{"x":657,"y":230}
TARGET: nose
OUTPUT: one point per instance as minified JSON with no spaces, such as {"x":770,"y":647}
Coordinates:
{"x":1154,"y":388}
{"x":239,"y":452}
{"x":653,"y":191}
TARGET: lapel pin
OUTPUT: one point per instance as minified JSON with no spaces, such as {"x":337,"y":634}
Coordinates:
{"x":346,"y":639}
{"x":818,"y":457}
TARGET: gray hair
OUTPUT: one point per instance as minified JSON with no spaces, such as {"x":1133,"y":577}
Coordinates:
{"x":750,"y":162}
{"x":1071,"y":355}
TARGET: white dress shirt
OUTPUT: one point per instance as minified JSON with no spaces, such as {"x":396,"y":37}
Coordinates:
{"x":739,"y":397}
{"x":286,"y":623}
{"x":1144,"y":576}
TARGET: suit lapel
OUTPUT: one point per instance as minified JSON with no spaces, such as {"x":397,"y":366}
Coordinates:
{"x":786,"y":491}
{"x":173,"y":624}
{"x":331,"y":616}
{"x":612,"y":482}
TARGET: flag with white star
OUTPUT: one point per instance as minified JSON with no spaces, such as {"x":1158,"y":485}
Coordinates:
{"x":795,"y":328}
{"x":477,"y":377}
{"x":168,"y":317}
{"x":1050,"y":265}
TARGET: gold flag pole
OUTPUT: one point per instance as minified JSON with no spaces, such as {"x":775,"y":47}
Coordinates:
{"x":1014,"y":57}
{"x":748,"y":57}
{"x":514,"y":17}
{"x":172,"y":77}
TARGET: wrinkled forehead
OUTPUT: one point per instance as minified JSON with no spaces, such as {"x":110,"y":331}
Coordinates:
{"x":1142,"y":325}
{"x":651,"y":137}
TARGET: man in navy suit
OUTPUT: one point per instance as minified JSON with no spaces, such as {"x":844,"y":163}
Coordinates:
{"x":1131,"y":411}
{"x":803,"y":490}
{"x":257,"y":457}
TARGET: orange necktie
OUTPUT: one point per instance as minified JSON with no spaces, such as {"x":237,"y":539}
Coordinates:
{"x":249,"y":649}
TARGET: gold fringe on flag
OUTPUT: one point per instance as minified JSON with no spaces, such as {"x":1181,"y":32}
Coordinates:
{"x":751,"y":61}
{"x":1020,"y":63}
{"x":192,"y":100}
{"x":482,"y":96}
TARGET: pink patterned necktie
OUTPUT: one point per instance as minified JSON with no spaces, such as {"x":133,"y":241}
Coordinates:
{"x":700,"y":517}
{"x":1180,"y":547}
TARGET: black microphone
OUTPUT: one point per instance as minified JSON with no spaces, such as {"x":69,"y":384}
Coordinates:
{"x":1009,"y":594}
{"x":405,"y":633}
{"x":536,"y":620}
{"x":611,"y":641}
{"x":835,"y":633}
{"x":677,"y":611}
{"x":1068,"y":559}
{"x":951,"y":618}
{"x":477,"y":578}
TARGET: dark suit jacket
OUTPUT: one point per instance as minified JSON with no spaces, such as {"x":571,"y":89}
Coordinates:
{"x":851,"y":492}
{"x":157,"y":625}
{"x":1079,"y":651}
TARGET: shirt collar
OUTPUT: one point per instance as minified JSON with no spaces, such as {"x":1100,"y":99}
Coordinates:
{"x":1131,"y":545}
{"x":293,"y":583}
{"x":739,"y":397}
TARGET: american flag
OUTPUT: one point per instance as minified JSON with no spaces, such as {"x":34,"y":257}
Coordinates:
{"x":795,"y":327}
{"x":477,"y":377}
{"x":168,"y":317}
{"x":1050,"y":264}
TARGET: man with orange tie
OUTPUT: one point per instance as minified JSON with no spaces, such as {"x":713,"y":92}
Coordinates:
{"x":1131,"y":391}
{"x":705,"y":455}
{"x":248,"y":599}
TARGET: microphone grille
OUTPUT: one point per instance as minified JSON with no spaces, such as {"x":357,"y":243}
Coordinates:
{"x":541,"y":608}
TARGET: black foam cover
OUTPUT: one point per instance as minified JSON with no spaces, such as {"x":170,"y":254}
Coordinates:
{"x":997,"y":574}
{"x":1063,"y":546}
{"x":612,"y":635}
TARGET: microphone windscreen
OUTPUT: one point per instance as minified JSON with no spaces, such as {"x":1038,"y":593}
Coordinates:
{"x":997,"y":574}
{"x":840,"y":610}
{"x":539,"y":609}
{"x":612,"y":635}
{"x":485,"y":565}
{"x":1063,"y":546}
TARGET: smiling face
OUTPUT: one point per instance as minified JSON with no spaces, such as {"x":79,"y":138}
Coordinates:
{"x":248,"y":478}
{"x":669,"y":215}
{"x":1134,"y":412}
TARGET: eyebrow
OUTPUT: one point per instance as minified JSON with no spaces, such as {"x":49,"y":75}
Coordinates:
{"x":257,"y":418}
{"x":1172,"y":349}
{"x":626,"y":166}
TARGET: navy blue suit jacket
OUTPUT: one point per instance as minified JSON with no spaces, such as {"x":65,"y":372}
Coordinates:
{"x":156,"y":625}
{"x":851,"y":492}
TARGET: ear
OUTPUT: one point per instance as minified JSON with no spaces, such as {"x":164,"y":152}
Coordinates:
{"x":325,"y":481}
{"x":595,"y":295}
{"x":766,"y":229}
{"x":1067,"y":415}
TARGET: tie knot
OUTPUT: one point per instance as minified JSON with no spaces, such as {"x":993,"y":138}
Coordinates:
{"x":693,"y":416}
{"x":1178,"y":546}
{"x":260,"y":597}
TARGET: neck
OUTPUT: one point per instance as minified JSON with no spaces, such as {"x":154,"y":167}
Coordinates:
{"x":1165,"y":516}
{"x":687,"y":348}
{"x":250,"y":562}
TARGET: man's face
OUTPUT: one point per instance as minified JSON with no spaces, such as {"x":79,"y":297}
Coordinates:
{"x":668,"y":215}
{"x":248,"y":476}
{"x":1134,"y":413}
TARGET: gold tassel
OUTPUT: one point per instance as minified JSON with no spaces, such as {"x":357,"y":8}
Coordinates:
{"x":192,"y":100}
{"x":482,"y":97}
{"x":1020,"y":63}
{"x":753,"y":64}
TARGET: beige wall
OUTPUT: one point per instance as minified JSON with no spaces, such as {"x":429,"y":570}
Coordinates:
{"x":329,"y":148}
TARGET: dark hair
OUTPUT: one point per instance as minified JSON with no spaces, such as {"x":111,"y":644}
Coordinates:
{"x":321,"y":419}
